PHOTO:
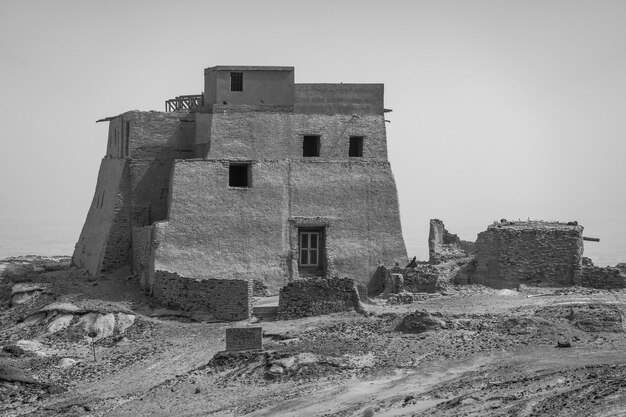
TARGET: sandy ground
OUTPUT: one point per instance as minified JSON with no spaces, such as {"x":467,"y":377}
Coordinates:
{"x":487,"y":353}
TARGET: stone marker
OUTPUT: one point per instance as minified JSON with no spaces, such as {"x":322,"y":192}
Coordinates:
{"x":244,"y":338}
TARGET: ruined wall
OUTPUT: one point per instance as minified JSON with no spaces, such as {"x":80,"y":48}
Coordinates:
{"x":229,"y":300}
{"x":250,"y":233}
{"x":258,"y":135}
{"x":603,"y":277}
{"x":106,"y":219}
{"x":512,"y":253}
{"x":315,"y":297}
{"x":444,"y":246}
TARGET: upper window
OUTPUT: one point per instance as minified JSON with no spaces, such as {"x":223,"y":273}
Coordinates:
{"x":356,"y":146}
{"x":311,"y":146}
{"x":236,"y":81}
{"x":239,"y":175}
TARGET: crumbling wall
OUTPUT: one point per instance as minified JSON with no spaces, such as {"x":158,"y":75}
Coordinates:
{"x":315,"y":297}
{"x":226,"y":299}
{"x":422,"y":278}
{"x":602,"y":277}
{"x":513,"y":253}
{"x":444,"y":246}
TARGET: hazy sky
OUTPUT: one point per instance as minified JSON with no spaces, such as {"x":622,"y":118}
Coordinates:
{"x":501,"y":109}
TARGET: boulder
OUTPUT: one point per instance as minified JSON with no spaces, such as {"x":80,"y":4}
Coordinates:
{"x":59,"y":323}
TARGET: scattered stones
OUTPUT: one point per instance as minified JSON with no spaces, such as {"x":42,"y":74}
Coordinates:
{"x":421,"y":321}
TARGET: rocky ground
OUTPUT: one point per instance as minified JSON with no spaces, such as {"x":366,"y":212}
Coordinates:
{"x":469,"y":351}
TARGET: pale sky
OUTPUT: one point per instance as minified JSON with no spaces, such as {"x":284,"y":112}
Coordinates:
{"x":501,"y":109}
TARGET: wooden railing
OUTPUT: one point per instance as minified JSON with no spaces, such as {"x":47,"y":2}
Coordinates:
{"x":184,"y":103}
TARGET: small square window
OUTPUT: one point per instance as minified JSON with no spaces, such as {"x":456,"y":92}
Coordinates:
{"x":356,"y":146}
{"x":236,"y":81}
{"x":239,"y":175}
{"x":311,"y":146}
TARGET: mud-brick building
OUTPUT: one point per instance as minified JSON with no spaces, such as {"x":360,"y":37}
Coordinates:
{"x":256,"y":179}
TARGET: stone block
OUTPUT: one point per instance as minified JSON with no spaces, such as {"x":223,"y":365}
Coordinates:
{"x":244,"y":338}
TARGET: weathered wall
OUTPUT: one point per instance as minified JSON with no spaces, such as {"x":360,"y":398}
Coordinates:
{"x":603,"y":277}
{"x":275,"y":86}
{"x":133,"y":184}
{"x":359,"y":199}
{"x":107,"y":215}
{"x":444,"y":246}
{"x":512,"y":253}
{"x":229,"y":300}
{"x":315,"y":297}
{"x":257,"y":135}
{"x":339,"y":99}
{"x":143,"y":255}
{"x":250,"y":233}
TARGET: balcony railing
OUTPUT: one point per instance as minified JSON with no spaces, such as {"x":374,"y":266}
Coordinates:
{"x":184,"y":103}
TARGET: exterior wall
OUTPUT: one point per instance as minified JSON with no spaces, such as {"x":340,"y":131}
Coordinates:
{"x":316,"y":297}
{"x":143,"y":255}
{"x":261,"y":85}
{"x":258,"y":135}
{"x":602,"y":277}
{"x":529,"y":253}
{"x":251,"y":233}
{"x":339,"y":99}
{"x":131,"y":192}
{"x":105,"y":220}
{"x":229,"y":300}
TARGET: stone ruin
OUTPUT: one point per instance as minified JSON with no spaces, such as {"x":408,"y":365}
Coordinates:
{"x":536,"y":253}
{"x":506,"y":255}
{"x":444,"y":246}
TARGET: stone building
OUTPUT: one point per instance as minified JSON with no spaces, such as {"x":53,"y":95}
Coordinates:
{"x":258,"y":178}
{"x":529,"y":252}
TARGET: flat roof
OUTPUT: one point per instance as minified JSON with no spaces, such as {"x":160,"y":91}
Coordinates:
{"x":247,"y":68}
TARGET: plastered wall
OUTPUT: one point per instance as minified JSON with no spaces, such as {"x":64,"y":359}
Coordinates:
{"x":104,"y":242}
{"x":256,"y":135}
{"x":251,"y":233}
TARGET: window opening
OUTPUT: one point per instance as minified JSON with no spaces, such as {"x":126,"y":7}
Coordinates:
{"x":356,"y":146}
{"x":309,"y":249}
{"x":311,"y":146}
{"x":239,"y":175}
{"x":236,"y":81}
